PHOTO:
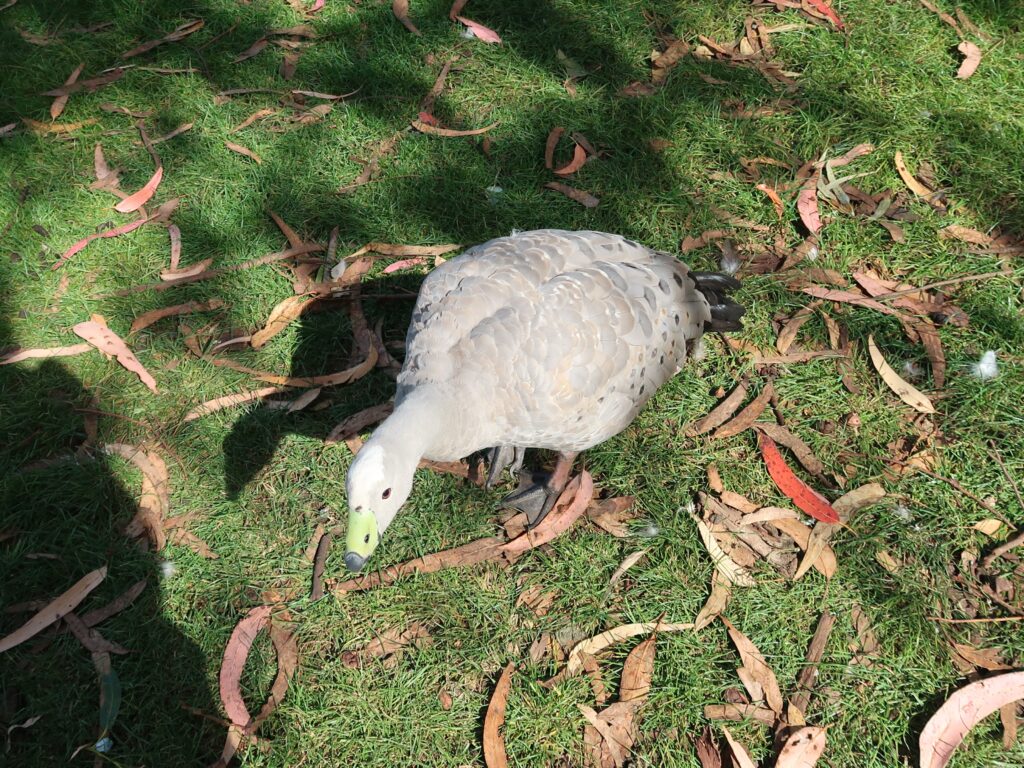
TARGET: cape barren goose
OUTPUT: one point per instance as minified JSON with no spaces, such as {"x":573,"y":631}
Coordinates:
{"x":546,"y":339}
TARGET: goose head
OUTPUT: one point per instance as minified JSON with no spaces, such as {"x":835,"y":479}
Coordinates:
{"x":378,"y":484}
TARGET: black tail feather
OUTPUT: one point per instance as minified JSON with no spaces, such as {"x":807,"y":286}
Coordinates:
{"x":717,"y":289}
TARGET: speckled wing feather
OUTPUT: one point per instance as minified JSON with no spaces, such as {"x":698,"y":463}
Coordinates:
{"x":552,"y":339}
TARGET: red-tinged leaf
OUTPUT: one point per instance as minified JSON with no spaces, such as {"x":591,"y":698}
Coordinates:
{"x":494,"y":745}
{"x":972,"y":58}
{"x":175,"y":235}
{"x":486,"y":34}
{"x":135,"y":201}
{"x":579,"y":157}
{"x":965,"y":709}
{"x":826,"y":10}
{"x":316,"y":7}
{"x":61,"y":101}
{"x":401,"y":10}
{"x":154,"y":315}
{"x":244,"y":151}
{"x":190,"y":271}
{"x":807,"y":206}
{"x":427,"y":118}
{"x":34,"y":354}
{"x":806,"y":498}
{"x":54,"y":610}
{"x":404,"y":264}
{"x":109,"y":342}
{"x":568,"y":509}
{"x":235,"y":655}
{"x":122,"y":230}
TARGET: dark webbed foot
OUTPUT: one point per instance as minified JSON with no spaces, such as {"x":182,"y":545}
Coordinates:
{"x":538,"y":495}
{"x":501,"y":458}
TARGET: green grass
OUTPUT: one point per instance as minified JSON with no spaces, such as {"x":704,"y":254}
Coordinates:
{"x":260,"y":480}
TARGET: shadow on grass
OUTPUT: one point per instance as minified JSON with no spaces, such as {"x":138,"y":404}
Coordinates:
{"x":60,"y":522}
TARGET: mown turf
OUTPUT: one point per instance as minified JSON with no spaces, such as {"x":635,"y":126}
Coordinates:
{"x":260,"y":480}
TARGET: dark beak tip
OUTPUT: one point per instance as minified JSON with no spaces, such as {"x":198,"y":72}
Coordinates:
{"x":354,"y":561}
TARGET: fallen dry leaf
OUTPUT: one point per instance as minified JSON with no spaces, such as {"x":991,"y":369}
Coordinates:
{"x":61,"y":101}
{"x":135,"y":201}
{"x":565,"y":513}
{"x":579,"y":158}
{"x":965,"y":234}
{"x":389,"y":646}
{"x":582,"y":197}
{"x":180,"y":273}
{"x":243,"y":725}
{"x":42,"y":128}
{"x":717,"y":602}
{"x":746,"y":418}
{"x":773,"y":195}
{"x":756,"y":668}
{"x":357,"y":422}
{"x":281,"y":316}
{"x":906,"y":391}
{"x":910,"y":180}
{"x":54,"y":610}
{"x":494,"y":744}
{"x":147,"y":319}
{"x":594,"y":645}
{"x":807,"y":205}
{"x":43,"y":352}
{"x":730,"y":570}
{"x":972,"y":58}
{"x":244,"y":151}
{"x":802,"y":451}
{"x":229,"y":401}
{"x":612,"y":515}
{"x":116,"y":232}
{"x":434,"y":130}
{"x":740,"y":755}
{"x":550,"y":144}
{"x":962,"y":711}
{"x":110,"y":343}
{"x":154,"y":497}
{"x":624,"y":566}
{"x":479,"y":31}
{"x":823,"y":9}
{"x":807,"y":499}
{"x":802,"y":749}
{"x":404,"y":264}
{"x":720,"y":413}
{"x":180,"y":33}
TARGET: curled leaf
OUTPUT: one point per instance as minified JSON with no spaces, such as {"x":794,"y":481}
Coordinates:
{"x":137,"y":200}
{"x":579,"y":158}
{"x":582,"y":197}
{"x":281,"y":316}
{"x":54,"y":610}
{"x":494,"y":745}
{"x":962,"y":711}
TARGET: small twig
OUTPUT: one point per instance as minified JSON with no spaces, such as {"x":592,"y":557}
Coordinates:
{"x":950,"y":481}
{"x":1002,"y":466}
{"x":993,"y":620}
{"x":941,"y":283}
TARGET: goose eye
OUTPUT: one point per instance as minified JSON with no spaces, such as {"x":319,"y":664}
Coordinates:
{"x":386,"y":494}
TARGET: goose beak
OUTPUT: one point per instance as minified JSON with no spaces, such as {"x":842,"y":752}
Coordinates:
{"x":361,"y":539}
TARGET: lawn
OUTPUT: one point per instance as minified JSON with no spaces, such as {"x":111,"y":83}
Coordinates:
{"x":254,"y":481}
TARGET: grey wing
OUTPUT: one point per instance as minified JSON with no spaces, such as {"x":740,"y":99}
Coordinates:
{"x":575,"y":361}
{"x":462,"y":292}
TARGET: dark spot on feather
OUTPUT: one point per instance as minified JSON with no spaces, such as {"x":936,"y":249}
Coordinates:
{"x":678,"y":279}
{"x":642,"y":387}
{"x":662,"y":361}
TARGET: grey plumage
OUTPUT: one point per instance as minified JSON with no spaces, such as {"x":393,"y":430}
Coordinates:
{"x":554,"y":339}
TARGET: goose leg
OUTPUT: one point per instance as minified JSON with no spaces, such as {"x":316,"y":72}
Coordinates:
{"x":537,"y":499}
{"x":499,"y":459}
